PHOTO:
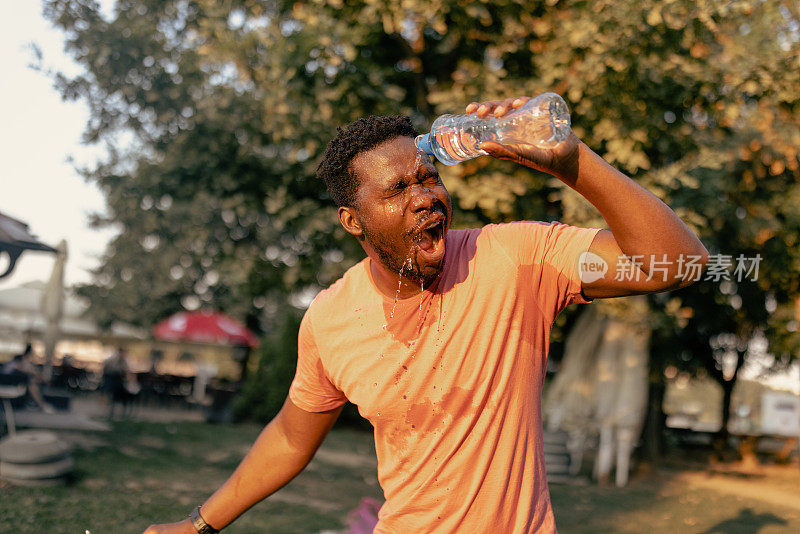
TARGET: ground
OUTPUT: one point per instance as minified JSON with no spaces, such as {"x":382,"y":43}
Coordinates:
{"x":685,"y":497}
{"x":144,"y":472}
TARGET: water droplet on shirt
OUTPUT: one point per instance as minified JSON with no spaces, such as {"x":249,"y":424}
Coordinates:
{"x":421,"y":300}
{"x":406,"y":264}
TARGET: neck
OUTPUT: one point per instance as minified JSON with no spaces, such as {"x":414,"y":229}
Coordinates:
{"x":393,"y":284}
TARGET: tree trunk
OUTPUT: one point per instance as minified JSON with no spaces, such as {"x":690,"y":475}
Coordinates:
{"x":721,"y":445}
{"x":721,"y":441}
{"x":655,"y":421}
{"x":727,"y":395}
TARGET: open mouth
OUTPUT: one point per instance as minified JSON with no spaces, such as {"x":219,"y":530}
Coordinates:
{"x":429,"y":238}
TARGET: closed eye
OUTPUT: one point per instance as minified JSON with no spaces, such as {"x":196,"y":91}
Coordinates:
{"x":396,"y":189}
{"x":399,"y":187}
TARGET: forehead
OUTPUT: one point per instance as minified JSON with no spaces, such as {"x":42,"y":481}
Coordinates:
{"x":386,"y":162}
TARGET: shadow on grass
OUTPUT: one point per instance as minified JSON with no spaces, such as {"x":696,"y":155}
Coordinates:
{"x":736,"y":474}
{"x":746,"y":522}
{"x":667,"y":502}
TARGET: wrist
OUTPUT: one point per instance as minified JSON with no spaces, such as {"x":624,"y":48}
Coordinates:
{"x":199,"y":523}
{"x":187,"y":527}
{"x":569,"y":169}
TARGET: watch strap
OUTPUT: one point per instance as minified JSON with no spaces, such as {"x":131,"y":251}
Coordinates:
{"x":200,"y":524}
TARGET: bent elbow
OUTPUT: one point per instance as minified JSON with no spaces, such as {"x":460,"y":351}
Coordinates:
{"x":700,"y":257}
{"x":702,"y":251}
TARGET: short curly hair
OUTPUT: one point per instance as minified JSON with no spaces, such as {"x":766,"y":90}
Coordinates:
{"x":364,"y":134}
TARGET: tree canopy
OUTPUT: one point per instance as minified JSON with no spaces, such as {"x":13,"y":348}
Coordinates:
{"x":215,"y":115}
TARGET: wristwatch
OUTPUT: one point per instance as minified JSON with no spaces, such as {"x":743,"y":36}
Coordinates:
{"x":200,"y":524}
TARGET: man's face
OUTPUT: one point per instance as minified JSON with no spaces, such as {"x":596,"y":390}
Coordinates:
{"x":403,"y":209}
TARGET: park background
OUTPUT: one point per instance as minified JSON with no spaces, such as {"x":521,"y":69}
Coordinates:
{"x":202,"y":123}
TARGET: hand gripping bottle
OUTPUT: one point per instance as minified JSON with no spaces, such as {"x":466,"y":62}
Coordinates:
{"x":543,"y":121}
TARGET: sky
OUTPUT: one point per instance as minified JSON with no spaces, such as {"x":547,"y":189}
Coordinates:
{"x":39,"y":132}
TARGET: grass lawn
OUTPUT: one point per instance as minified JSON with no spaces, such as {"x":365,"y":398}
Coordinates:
{"x":155,"y":472}
{"x":680,"y":502}
{"x":143,"y":473}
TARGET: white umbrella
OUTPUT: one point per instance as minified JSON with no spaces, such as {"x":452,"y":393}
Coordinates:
{"x":52,"y":306}
{"x":602,"y":385}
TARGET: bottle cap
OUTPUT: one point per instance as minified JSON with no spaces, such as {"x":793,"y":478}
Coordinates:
{"x":423,"y":143}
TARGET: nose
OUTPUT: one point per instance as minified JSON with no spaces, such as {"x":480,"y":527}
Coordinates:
{"x":422,"y":198}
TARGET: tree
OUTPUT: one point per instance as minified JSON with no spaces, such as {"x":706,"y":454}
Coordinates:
{"x":216,"y":115}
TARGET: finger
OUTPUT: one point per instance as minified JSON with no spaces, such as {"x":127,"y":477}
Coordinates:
{"x":498,"y":108}
{"x":519,"y":101}
{"x":523,"y":154}
{"x":485,"y":108}
{"x":497,"y":150}
{"x":505,"y":106}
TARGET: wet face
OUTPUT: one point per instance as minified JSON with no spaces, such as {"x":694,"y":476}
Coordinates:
{"x":402,"y":210}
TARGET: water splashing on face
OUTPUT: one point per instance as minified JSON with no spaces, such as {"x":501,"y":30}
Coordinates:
{"x":420,"y":159}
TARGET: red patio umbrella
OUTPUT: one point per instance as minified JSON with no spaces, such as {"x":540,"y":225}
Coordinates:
{"x":204,"y":327}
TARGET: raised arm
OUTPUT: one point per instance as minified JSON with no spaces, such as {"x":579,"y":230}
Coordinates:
{"x":646,"y":240}
{"x":282,"y":450}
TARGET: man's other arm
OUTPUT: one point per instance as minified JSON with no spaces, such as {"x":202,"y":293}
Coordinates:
{"x":282,"y":450}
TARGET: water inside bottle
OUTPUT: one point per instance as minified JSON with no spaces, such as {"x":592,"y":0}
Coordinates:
{"x":462,"y":143}
{"x":544,"y":126}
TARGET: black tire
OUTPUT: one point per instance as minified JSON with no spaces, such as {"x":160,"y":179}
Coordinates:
{"x":53,"y":469}
{"x":32,"y":447}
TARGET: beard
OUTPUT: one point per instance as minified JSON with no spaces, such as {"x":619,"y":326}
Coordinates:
{"x":404,"y":265}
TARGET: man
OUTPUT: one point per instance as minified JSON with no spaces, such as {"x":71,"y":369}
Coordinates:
{"x":115,"y":375}
{"x":22,"y":366}
{"x":440,"y":337}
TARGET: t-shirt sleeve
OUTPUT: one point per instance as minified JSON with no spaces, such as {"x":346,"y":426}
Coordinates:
{"x":548,"y":256}
{"x":311,"y":389}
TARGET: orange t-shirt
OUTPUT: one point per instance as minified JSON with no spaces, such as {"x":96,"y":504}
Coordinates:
{"x":450,"y":379}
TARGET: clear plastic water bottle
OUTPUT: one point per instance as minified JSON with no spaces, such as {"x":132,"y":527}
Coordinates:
{"x":543,"y":121}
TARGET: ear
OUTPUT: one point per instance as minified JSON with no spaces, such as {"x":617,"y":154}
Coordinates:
{"x":348,"y":219}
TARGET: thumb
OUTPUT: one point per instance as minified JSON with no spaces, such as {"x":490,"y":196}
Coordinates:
{"x":497,"y":150}
{"x":527,"y":155}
